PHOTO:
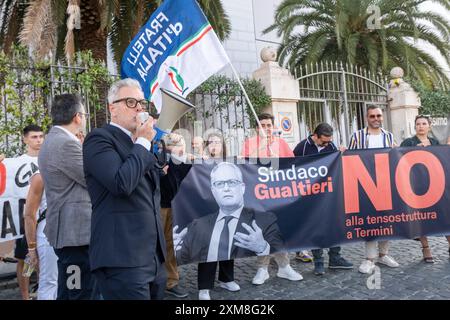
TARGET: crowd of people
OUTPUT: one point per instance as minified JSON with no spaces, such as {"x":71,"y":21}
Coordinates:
{"x":98,"y":216}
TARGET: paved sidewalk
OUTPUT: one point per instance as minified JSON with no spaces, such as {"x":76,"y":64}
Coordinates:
{"x":414,"y":279}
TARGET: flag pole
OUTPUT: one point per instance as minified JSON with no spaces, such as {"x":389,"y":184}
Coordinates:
{"x":247,"y":98}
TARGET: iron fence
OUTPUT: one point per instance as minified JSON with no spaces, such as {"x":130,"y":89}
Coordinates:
{"x":26,"y":98}
{"x":338,"y":94}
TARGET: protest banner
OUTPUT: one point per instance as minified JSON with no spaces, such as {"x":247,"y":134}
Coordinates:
{"x":15,"y":174}
{"x":317,"y":201}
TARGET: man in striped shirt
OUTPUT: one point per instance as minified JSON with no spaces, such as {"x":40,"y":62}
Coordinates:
{"x":371,"y":137}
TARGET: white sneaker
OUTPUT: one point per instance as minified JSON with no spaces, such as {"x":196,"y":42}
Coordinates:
{"x":203,"y":295}
{"x":230,"y":286}
{"x":389,"y":261}
{"x":367,"y":266}
{"x":289,"y":273}
{"x":261,"y":276}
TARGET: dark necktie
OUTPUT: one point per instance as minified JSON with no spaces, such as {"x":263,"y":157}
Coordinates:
{"x":222,"y":254}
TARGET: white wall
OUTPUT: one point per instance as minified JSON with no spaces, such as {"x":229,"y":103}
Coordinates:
{"x":248,"y":18}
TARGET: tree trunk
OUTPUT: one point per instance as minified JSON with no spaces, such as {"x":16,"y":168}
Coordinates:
{"x":90,"y":37}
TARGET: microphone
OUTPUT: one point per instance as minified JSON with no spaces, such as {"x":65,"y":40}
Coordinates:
{"x":143,"y":116}
{"x":157,"y":140}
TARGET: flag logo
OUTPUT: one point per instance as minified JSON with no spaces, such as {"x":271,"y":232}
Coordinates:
{"x":169,"y":73}
{"x":177,"y":49}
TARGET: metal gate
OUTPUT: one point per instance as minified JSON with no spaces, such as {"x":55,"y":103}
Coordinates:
{"x":338,"y":94}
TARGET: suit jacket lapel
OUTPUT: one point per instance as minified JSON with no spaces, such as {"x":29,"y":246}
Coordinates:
{"x":123,"y":139}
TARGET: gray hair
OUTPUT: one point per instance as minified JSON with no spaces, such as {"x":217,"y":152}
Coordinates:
{"x":116,"y":86}
{"x":229,"y":164}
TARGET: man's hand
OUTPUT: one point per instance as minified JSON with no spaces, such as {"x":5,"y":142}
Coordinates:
{"x":175,"y":144}
{"x":342,"y":148}
{"x":178,"y":238}
{"x":145,"y":130}
{"x":34,"y":258}
{"x":253,"y":241}
{"x":80,"y":136}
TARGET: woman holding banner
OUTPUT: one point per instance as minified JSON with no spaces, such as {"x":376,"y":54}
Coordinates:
{"x":422,"y":126}
{"x":215,"y":149}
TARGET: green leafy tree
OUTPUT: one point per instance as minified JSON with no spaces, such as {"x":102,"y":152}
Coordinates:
{"x":227,"y":90}
{"x":350,"y":31}
{"x":44,"y":27}
{"x":433,"y":102}
{"x":26,"y":87}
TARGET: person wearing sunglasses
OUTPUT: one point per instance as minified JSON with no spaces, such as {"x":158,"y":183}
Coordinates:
{"x":371,"y":137}
{"x":422,"y":125}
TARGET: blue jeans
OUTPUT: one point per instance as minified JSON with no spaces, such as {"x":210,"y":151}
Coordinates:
{"x":334,"y":254}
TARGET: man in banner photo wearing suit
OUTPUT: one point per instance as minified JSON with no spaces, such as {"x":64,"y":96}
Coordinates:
{"x":127,"y":250}
{"x":233,"y":231}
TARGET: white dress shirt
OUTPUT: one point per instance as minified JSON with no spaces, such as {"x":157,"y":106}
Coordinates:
{"x":232,"y":225}
{"x":141,"y":140}
{"x":74,"y":137}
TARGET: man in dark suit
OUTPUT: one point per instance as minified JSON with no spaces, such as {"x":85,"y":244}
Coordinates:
{"x":127,"y":248}
{"x":210,"y":238}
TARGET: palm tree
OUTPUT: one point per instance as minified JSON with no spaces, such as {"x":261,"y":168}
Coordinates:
{"x":345,"y":30}
{"x":59,"y":28}
{"x":45,"y":28}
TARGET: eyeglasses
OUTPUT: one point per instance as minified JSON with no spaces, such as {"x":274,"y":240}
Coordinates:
{"x":231,"y":183}
{"x":214,"y":142}
{"x":373,"y":116}
{"x":132,"y":102}
{"x":84,"y":114}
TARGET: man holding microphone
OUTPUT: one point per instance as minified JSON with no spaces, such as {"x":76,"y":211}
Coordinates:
{"x":127,"y":249}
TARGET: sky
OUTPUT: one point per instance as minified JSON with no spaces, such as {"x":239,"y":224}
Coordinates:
{"x":429,"y":6}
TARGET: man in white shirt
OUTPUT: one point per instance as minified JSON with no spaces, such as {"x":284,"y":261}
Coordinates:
{"x":40,"y":252}
{"x":374,"y":136}
{"x":33,"y":137}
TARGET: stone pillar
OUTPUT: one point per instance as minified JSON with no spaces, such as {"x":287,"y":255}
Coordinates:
{"x":404,"y":105}
{"x":283,"y":89}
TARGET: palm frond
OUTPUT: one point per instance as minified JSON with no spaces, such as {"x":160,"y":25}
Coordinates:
{"x":34,"y":22}
{"x":346,"y":37}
